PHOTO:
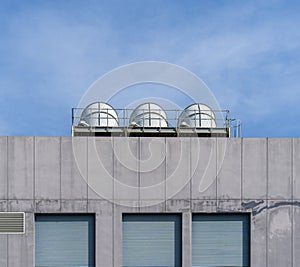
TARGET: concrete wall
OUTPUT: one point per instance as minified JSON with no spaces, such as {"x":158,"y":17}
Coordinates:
{"x":184,"y":175}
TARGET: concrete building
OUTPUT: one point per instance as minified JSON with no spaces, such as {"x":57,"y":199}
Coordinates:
{"x":256,"y":184}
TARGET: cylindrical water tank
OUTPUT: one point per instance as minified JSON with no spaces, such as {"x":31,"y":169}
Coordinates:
{"x":99,"y":114}
{"x":148,"y":115}
{"x":197,"y":115}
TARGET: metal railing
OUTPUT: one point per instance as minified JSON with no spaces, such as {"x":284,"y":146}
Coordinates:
{"x":97,"y":118}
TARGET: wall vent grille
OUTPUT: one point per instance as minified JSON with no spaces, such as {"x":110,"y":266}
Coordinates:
{"x":12,"y":222}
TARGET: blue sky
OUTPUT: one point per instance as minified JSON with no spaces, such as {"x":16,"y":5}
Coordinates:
{"x":247,"y":52}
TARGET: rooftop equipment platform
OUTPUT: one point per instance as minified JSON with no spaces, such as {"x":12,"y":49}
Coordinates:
{"x":149,"y":119}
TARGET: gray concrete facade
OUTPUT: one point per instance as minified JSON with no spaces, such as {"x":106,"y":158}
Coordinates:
{"x":153,"y":175}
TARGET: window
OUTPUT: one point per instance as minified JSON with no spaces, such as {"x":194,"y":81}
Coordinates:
{"x":220,"y":240}
{"x":64,"y":240}
{"x":151,"y":240}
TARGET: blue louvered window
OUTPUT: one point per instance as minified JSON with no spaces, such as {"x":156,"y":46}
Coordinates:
{"x":151,"y":240}
{"x":64,"y":240}
{"x":220,"y":240}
